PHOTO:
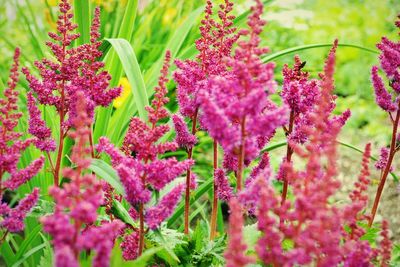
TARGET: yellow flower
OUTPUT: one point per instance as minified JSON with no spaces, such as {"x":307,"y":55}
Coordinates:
{"x":169,"y":15}
{"x":126,"y":91}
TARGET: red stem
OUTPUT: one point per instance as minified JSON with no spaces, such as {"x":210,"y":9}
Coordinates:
{"x":188,"y":174}
{"x":141,"y":229}
{"x":387,"y":168}
{"x":214,"y":211}
{"x":59,"y":152}
{"x":289,"y":153}
{"x":239,"y":174}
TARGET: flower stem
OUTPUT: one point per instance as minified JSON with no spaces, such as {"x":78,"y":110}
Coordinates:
{"x":188,"y":174}
{"x":141,"y":229}
{"x":214,"y":211}
{"x":289,"y":153}
{"x":239,"y":174}
{"x":392,"y":152}
{"x":59,"y":152}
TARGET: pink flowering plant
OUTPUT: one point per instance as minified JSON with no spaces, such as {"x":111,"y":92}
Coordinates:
{"x":103,"y":166}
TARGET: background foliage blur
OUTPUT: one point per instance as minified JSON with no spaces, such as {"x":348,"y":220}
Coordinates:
{"x":24,"y":23}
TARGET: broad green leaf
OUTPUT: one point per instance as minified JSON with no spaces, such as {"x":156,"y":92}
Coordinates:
{"x":7,"y":253}
{"x":82,"y":18}
{"x":113,"y":65}
{"x":132,"y":70}
{"x":27,"y":241}
{"x":121,"y":213}
{"x":107,"y":173}
{"x":28,"y":254}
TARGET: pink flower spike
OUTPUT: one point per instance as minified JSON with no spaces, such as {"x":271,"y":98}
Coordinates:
{"x":14,"y":221}
{"x":183,"y":137}
{"x":224,"y":189}
{"x":382,"y":96}
{"x":38,"y":128}
{"x":235,"y":253}
{"x":156,"y":215}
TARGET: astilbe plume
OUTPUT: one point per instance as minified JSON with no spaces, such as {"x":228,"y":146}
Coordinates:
{"x":236,"y":249}
{"x":75,"y":69}
{"x":236,"y":110}
{"x":72,"y":225}
{"x":141,"y":170}
{"x":302,"y":220}
{"x":192,"y":77}
{"x":300,"y":94}
{"x":11,"y":148}
{"x":389,"y":101}
{"x":215,"y":43}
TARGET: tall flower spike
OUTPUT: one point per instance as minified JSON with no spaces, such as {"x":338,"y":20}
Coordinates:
{"x":142,"y":168}
{"x":11,"y":148}
{"x":73,"y":70}
{"x":183,"y":137}
{"x":236,"y":110}
{"x":235,"y":252}
{"x":77,"y":204}
{"x":224,"y":189}
{"x":390,"y":64}
{"x":310,"y":211}
{"x":38,"y":128}
{"x":156,"y":215}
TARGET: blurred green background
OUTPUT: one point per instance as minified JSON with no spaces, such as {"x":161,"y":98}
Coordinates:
{"x":24,"y":23}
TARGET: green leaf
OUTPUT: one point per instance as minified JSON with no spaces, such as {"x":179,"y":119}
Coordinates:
{"x":7,"y":253}
{"x":28,"y":254}
{"x":82,"y":18}
{"x":121,"y":213}
{"x":132,"y":70}
{"x":114,"y":66}
{"x":107,"y":173}
{"x":203,"y":189}
{"x":291,"y":50}
{"x":168,"y":245}
{"x":144,"y":258}
{"x":27,"y":241}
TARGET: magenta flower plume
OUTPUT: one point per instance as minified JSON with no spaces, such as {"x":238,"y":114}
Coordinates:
{"x":75,"y":69}
{"x":77,"y":203}
{"x":224,"y":189}
{"x":238,"y":103}
{"x":310,"y":212}
{"x":385,"y":245}
{"x":38,"y":128}
{"x":156,"y":215}
{"x":388,"y":100}
{"x":215,"y":43}
{"x":141,"y":168}
{"x":383,"y":158}
{"x":183,"y":137}
{"x":14,"y":220}
{"x":101,"y":240}
{"x":69,"y":71}
{"x":235,"y":253}
{"x":11,"y":148}
{"x":130,"y":246}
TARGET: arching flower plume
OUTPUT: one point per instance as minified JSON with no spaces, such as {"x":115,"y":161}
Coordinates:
{"x":77,"y":204}
{"x":11,"y":148}
{"x":141,"y":170}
